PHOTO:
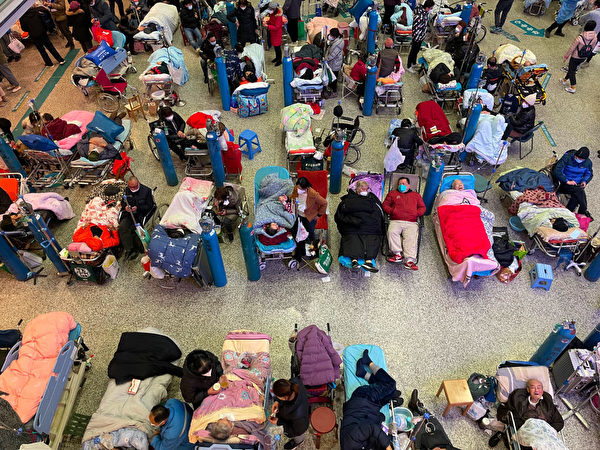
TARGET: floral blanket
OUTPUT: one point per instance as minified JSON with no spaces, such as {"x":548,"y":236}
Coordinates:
{"x":538,"y":197}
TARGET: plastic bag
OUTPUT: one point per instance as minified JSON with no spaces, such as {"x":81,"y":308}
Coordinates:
{"x":301,"y":234}
{"x":15,"y":45}
{"x":323,"y":264}
{"x":111,"y":266}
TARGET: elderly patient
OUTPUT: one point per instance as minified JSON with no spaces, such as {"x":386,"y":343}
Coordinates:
{"x":530,"y":402}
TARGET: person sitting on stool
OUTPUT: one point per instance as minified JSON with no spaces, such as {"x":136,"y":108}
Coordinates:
{"x":140,"y":202}
{"x":174,"y":130}
{"x":574,"y":171}
{"x":361,"y":423}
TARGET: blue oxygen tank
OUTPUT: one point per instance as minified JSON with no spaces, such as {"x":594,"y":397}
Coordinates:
{"x":47,"y":241}
{"x":471,"y":124}
{"x":465,"y":14}
{"x":370,"y":88}
{"x":162,"y":145}
{"x":318,"y":10}
{"x":231,"y":25}
{"x":434,"y":177}
{"x":593,"y":339}
{"x":372,"y":31}
{"x":288,"y":76}
{"x":592,"y":273}
{"x":337,"y":164}
{"x":475,"y":75}
{"x":216,"y":159}
{"x":222,"y":79}
{"x":12,"y":261}
{"x":555,"y":343}
{"x":210,"y":242}
{"x":249,"y":251}
{"x":10,"y":159}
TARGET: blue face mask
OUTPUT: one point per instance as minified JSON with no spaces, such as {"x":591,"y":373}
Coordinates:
{"x":579,"y":161}
{"x":402,"y":188}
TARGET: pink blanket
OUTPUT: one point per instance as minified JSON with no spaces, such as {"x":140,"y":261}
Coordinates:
{"x":50,"y":201}
{"x":81,"y":119}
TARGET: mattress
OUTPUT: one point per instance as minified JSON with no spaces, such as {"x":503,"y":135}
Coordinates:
{"x":303,"y":144}
{"x":511,"y":378}
{"x":285,"y":247}
{"x":352,"y":354}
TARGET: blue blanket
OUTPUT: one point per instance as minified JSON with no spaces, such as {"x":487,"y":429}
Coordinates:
{"x":521,"y":179}
{"x":174,"y":256}
{"x":173,"y":56}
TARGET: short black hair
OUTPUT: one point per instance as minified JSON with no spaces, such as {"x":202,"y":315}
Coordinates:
{"x":492,"y":61}
{"x":406,"y":123}
{"x":239,"y":48}
{"x":198,"y":361}
{"x":590,"y":25}
{"x":597,"y":3}
{"x":160,"y":413}
{"x":403,"y":178}
{"x":303,"y":183}
{"x":210,"y":34}
{"x":47,"y":117}
{"x":165,"y":112}
{"x":335,"y":32}
{"x":428,"y":4}
{"x":34,"y":117}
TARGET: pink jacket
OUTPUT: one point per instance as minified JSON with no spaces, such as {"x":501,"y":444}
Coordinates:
{"x":588,"y":36}
{"x":319,"y":362}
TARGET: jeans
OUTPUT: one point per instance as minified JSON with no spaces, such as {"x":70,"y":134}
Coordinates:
{"x":44,"y":43}
{"x":380,"y":390}
{"x":7,"y":73}
{"x":414,"y":51}
{"x":501,"y":11}
{"x":572,"y":71}
{"x":63,"y":26}
{"x":193,"y":36}
{"x":578,"y":197}
{"x":120,"y":4}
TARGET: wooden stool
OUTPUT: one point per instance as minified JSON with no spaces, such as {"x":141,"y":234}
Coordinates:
{"x":323,"y":421}
{"x":134,"y":107}
{"x":457,"y":393}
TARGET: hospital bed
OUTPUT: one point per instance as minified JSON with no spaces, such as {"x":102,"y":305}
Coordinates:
{"x":297,"y":134}
{"x":165,"y":19}
{"x":65,"y":377}
{"x":443,"y":94}
{"x":454,"y":228}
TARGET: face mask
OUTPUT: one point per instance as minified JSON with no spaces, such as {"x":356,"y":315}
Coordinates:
{"x":402,"y":188}
{"x":207,"y":374}
{"x":170,"y":117}
{"x":227,"y":416}
{"x":189,"y":7}
{"x":134,"y":190}
{"x":579,"y":161}
{"x":213,"y":43}
{"x":242,"y":8}
{"x":225,"y":202}
{"x":525,"y":105}
{"x":364,"y":193}
{"x":301,"y":191}
{"x":330,"y":38}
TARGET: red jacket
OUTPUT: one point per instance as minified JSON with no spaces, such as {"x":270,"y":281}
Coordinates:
{"x":275,"y":26}
{"x":359,"y":71}
{"x":406,"y":206}
{"x":107,"y":238}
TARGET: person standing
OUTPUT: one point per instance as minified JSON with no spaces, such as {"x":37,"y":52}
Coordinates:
{"x":291,"y":410}
{"x":274,"y":22}
{"x":190,"y":21}
{"x":419,"y":30}
{"x":100,"y":12}
{"x":7,"y":73}
{"x":120,"y":5}
{"x":594,"y":15}
{"x":58,"y":12}
{"x":334,"y":55}
{"x":80,"y":20}
{"x":245,"y":20}
{"x":500,"y":13}
{"x":581,"y":49}
{"x":565,"y":13}
{"x":291,"y":10}
{"x":33,"y":23}
{"x":574,"y":171}
{"x":140,"y":203}
{"x":389,"y":8}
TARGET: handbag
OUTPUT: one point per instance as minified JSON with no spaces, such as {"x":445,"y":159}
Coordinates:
{"x":15,"y":45}
{"x":100,"y":34}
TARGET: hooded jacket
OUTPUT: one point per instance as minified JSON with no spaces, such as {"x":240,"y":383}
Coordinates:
{"x":33,"y":23}
{"x":567,"y":169}
{"x":105,"y":240}
{"x":246,"y":23}
{"x":294,"y":414}
{"x":319,"y":362}
{"x":361,"y":426}
{"x":518,"y":403}
{"x":101,"y":11}
{"x":523,"y":120}
{"x":193,"y":386}
{"x":585,"y":38}
{"x":335,"y":54}
{"x":189,"y":18}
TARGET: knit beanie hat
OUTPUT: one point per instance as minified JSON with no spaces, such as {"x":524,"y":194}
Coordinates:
{"x":583,"y":153}
{"x":389,"y":43}
{"x":74,"y":6}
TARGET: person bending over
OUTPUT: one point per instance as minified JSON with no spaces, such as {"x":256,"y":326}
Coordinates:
{"x":404,"y":206}
{"x":140,"y":203}
{"x":361,"y":423}
{"x":201,"y":370}
{"x":574,"y":171}
{"x":227,"y":203}
{"x":173,"y":420}
{"x":291,"y":410}
{"x":408,"y":142}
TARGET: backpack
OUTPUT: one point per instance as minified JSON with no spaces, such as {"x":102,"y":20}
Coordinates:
{"x":586,"y":50}
{"x":479,"y":385}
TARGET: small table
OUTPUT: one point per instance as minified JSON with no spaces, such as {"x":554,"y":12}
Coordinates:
{"x":323,"y":421}
{"x":457,"y":393}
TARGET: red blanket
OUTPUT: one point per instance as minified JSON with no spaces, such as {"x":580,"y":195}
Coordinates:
{"x":432,"y":118}
{"x":463,"y":231}
{"x":60,"y":129}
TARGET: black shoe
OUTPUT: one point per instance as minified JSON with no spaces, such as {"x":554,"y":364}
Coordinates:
{"x":415,"y":405}
{"x":132,"y":255}
{"x":547,"y":33}
{"x":205,"y":80}
{"x":230,"y":237}
{"x":495,"y":439}
{"x":274,"y":60}
{"x":587,"y":214}
{"x":368,"y":265}
{"x":126,"y":255}
{"x":397,"y":400}
{"x":355,"y":264}
{"x":278,"y":63}
{"x":559,"y":33}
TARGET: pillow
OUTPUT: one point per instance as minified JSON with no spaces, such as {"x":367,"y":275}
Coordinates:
{"x":36,"y":142}
{"x":102,"y":52}
{"x":108,"y":129}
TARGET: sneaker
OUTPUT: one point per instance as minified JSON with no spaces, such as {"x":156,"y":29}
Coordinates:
{"x":368,"y":265}
{"x":50,"y":65}
{"x":274,"y":60}
{"x":587,"y":214}
{"x":397,"y":258}
{"x":495,"y":439}
{"x":564,"y":68}
{"x":16,"y":89}
{"x":570,"y":90}
{"x":547,"y":33}
{"x":61,"y":63}
{"x":563,"y":82}
{"x":558,"y":33}
{"x":410,"y":265}
{"x":412,"y":69}
{"x":354,"y":264}
{"x":496,"y":30}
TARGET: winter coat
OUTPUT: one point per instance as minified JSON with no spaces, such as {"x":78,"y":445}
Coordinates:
{"x":359,"y":71}
{"x":294,"y":415}
{"x":319,"y":362}
{"x":194,"y":387}
{"x":389,"y":62}
{"x":361,"y":426}
{"x":335,"y":54}
{"x":567,"y":169}
{"x":566,"y":11}
{"x":33,"y":23}
{"x":189,"y":18}
{"x":137,"y":15}
{"x":523,"y":120}
{"x":407,"y":141}
{"x":275,"y":26}
{"x":59,"y":14}
{"x":174,"y":433}
{"x":315,"y":204}
{"x":246,"y":23}
{"x":518,"y":403}
{"x":585,"y":38}
{"x":408,"y":206}
{"x":207,"y":50}
{"x":362,"y":215}
{"x":106,"y":240}
{"x":81,"y":26}
{"x":142,"y":199}
{"x":291,"y":9}
{"x":419,"y":27}
{"x":101,"y":11}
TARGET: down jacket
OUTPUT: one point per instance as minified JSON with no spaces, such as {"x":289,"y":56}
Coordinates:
{"x":567,"y":169}
{"x":194,"y":387}
{"x":518,"y":403}
{"x":319,"y":362}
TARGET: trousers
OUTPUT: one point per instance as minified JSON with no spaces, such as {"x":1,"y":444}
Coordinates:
{"x":414,"y":51}
{"x":501,"y":11}
{"x":578,"y":197}
{"x":380,"y":390}
{"x":403,"y":238}
{"x":44,"y":43}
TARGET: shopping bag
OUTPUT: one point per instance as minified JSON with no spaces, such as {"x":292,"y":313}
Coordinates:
{"x":323,"y":264}
{"x":111,"y":266}
{"x":100,"y":34}
{"x":301,"y":234}
{"x":15,"y":45}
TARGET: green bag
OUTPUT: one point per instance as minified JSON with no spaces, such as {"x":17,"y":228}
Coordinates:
{"x":479,"y":385}
{"x":301,"y":31}
{"x":323,"y":264}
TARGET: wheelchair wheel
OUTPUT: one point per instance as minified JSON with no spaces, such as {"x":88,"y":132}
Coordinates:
{"x":357,"y":137}
{"x":153,"y":147}
{"x":352,"y":155}
{"x":480,"y":34}
{"x":107,"y":102}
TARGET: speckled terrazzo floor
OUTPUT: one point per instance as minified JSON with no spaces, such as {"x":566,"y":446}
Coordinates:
{"x":429,"y":328}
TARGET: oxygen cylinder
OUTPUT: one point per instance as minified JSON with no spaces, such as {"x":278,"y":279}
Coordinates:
{"x":434,"y":177}
{"x":223,"y":80}
{"x":592,"y":273}
{"x":12,"y":261}
{"x":373,"y":18}
{"x":216,"y":160}
{"x":288,"y":76}
{"x":162,"y":145}
{"x":593,"y":338}
{"x":337,"y":163}
{"x":10,"y":159}
{"x":47,"y":241}
{"x":249,"y":251}
{"x":465,"y":14}
{"x":210,"y":242}
{"x":370,"y":89}
{"x":561,"y":336}
{"x":475,"y":75}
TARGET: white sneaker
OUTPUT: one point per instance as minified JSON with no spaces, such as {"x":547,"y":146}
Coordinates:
{"x":16,"y":89}
{"x":563,"y":82}
{"x":412,"y":69}
{"x":570,"y":90}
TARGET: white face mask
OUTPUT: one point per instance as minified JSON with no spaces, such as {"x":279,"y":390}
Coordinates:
{"x":578,"y":161}
{"x":242,"y":8}
{"x":330,"y":38}
{"x":301,"y":191}
{"x":525,"y":105}
{"x":170,"y":118}
{"x":134,"y":190}
{"x":207,"y":374}
{"x":364,"y":193}
{"x":189,"y":7}
{"x":227,"y":416}
{"x":225,"y":202}
{"x":213,"y":42}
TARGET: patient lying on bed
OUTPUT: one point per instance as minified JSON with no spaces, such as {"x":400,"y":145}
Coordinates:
{"x":96,"y":149}
{"x":274,"y":215}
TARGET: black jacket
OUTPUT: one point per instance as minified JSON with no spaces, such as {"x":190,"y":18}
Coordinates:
{"x":173,"y":128}
{"x":101,"y":11}
{"x":207,"y":50}
{"x":523,"y":120}
{"x":361,"y":426}
{"x":438,"y":71}
{"x":189,"y":18}
{"x":518,"y":402}
{"x":81,"y":26}
{"x":33,"y":23}
{"x":408,"y":141}
{"x":194,"y":387}
{"x":294,"y":415}
{"x":360,"y":215}
{"x":143,"y":199}
{"x":246,"y":22}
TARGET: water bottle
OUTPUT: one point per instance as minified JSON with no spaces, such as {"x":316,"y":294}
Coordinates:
{"x":129,"y":58}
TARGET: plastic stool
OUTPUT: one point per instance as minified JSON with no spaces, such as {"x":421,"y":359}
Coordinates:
{"x":323,"y":421}
{"x":541,"y":276}
{"x":249,"y":144}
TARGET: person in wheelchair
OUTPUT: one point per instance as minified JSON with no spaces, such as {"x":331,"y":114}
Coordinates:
{"x":174,"y":127}
{"x":227,"y":203}
{"x":408,"y":141}
{"x":523,"y":120}
{"x":207,"y":53}
{"x":139,"y":203}
{"x":530,"y":402}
